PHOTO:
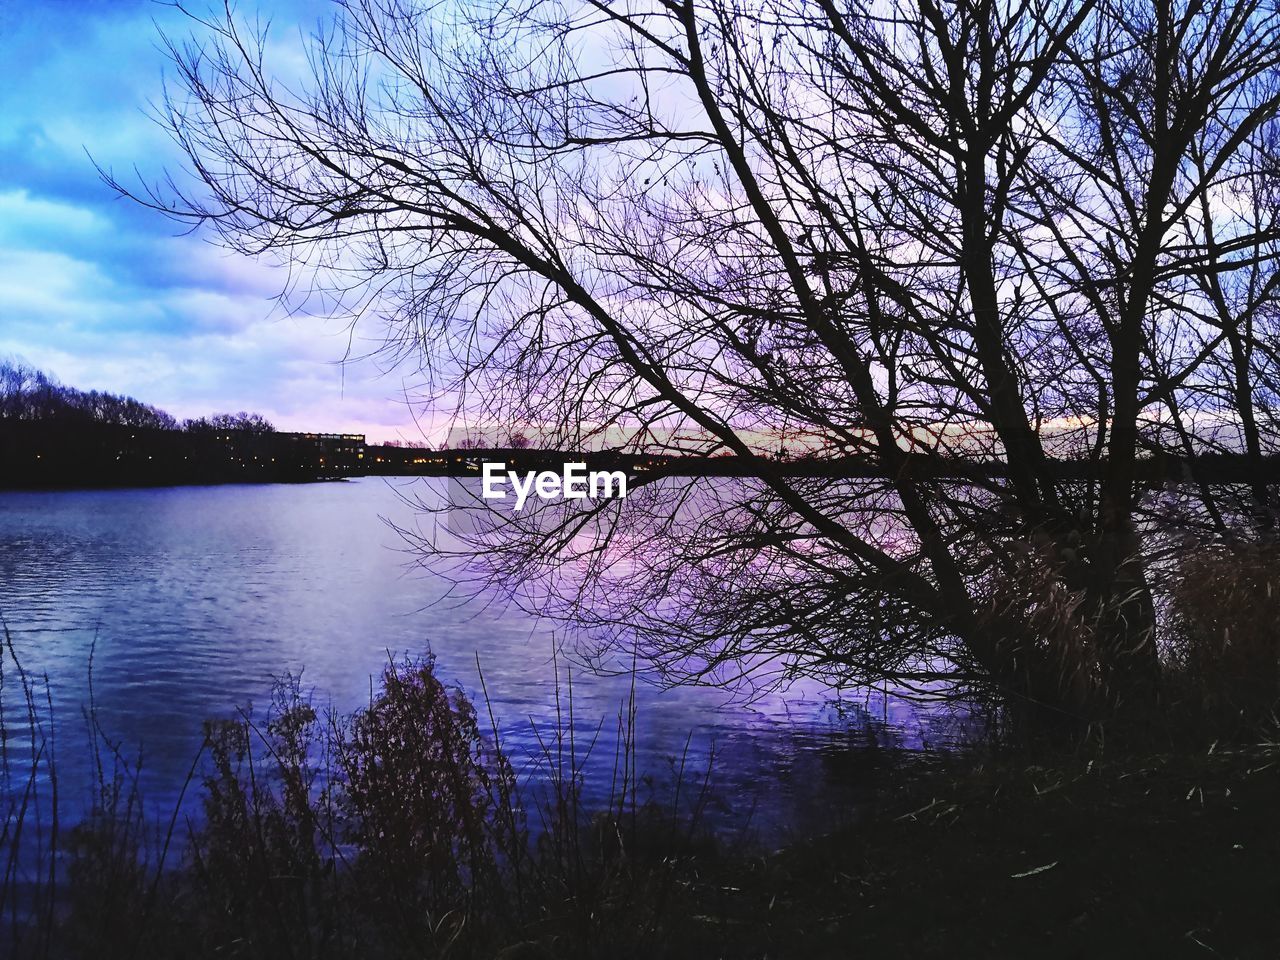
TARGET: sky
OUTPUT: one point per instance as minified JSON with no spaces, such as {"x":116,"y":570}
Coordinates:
{"x":105,"y":294}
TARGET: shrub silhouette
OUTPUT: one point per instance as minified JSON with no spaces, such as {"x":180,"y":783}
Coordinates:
{"x":417,"y":782}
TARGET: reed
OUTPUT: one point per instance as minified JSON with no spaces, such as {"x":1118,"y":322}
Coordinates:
{"x":399,"y":830}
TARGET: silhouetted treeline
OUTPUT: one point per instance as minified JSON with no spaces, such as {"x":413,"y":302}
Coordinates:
{"x":53,"y":435}
{"x":56,"y":436}
{"x":249,"y":422}
{"x":30,"y":394}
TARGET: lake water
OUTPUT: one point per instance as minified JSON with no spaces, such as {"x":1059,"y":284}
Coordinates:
{"x":194,"y":598}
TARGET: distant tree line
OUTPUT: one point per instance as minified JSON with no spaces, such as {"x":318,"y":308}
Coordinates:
{"x":54,"y":436}
{"x":248,"y":422}
{"x":30,"y":394}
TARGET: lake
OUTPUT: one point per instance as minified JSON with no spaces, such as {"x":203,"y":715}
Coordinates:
{"x":192,"y":599}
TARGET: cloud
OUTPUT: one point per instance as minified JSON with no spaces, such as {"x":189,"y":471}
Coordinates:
{"x":106,"y":294}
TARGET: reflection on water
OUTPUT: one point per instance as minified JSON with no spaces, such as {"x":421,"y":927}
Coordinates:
{"x":196,"y":597}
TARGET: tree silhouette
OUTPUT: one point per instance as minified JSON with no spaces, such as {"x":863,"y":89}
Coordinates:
{"x":1020,"y":259}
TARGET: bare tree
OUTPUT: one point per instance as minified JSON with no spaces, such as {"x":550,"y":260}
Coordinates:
{"x":1013,"y":260}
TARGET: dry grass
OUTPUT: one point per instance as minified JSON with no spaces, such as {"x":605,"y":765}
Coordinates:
{"x":1224,"y":655}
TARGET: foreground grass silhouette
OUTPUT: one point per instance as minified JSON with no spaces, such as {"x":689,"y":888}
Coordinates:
{"x":401,"y":831}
